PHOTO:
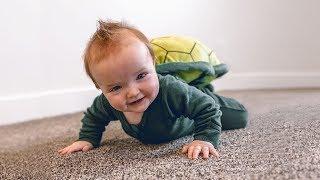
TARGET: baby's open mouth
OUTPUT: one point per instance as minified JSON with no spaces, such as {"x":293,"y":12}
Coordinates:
{"x":137,"y":101}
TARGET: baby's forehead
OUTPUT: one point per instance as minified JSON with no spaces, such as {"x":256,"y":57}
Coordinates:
{"x":122,"y":40}
{"x":125,"y":40}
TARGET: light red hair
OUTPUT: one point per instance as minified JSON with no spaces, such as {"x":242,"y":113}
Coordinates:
{"x":106,"y":40}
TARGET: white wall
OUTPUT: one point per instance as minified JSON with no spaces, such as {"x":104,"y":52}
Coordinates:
{"x":266,"y":43}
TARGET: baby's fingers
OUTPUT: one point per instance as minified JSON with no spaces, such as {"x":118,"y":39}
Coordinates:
{"x":64,"y":150}
{"x":190,"y":152}
{"x":196,"y":152}
{"x":185,"y":149}
{"x":86,"y":148}
{"x":60,"y":150}
{"x":214,"y":152}
{"x":205,"y":152}
{"x":74,"y":149}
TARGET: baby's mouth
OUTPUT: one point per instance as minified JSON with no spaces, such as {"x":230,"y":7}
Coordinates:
{"x":137,"y":101}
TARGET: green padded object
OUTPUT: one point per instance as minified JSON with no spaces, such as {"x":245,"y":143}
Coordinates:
{"x":187,"y":59}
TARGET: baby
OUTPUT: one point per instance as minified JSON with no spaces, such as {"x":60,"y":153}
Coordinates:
{"x":152,"y":108}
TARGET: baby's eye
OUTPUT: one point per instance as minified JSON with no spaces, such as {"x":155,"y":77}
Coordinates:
{"x":116,"y":88}
{"x":142,"y":75}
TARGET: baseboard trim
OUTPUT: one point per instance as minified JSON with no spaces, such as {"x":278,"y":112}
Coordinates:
{"x":24,"y":107}
{"x":240,"y":81}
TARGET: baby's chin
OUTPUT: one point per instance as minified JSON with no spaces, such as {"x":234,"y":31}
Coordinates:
{"x":135,"y":111}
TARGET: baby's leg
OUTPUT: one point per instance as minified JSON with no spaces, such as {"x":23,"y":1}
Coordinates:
{"x":234,"y":114}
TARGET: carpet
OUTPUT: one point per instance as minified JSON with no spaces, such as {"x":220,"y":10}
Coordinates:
{"x":281,"y":141}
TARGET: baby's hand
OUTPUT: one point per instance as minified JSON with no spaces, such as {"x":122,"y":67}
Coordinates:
{"x":197,"y":146}
{"x":76,"y":146}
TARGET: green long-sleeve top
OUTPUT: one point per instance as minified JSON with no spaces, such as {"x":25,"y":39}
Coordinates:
{"x":178,"y":110}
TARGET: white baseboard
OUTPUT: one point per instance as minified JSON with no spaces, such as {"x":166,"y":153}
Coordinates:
{"x":25,"y":107}
{"x":30,"y":106}
{"x":239,"y":81}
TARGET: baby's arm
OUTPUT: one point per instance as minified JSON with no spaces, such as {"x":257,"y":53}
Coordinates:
{"x":93,"y":125}
{"x":207,"y":128}
{"x":206,"y":115}
{"x":186,"y":100}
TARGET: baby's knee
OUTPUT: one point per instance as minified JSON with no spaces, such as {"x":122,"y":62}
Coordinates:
{"x":243,"y":119}
{"x":234,"y":118}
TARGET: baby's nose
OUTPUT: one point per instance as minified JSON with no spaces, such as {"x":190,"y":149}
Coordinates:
{"x":133,"y":92}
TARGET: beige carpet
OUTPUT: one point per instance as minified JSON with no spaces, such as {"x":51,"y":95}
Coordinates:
{"x":281,"y":142}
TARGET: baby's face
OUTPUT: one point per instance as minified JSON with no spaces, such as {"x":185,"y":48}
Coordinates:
{"x":128,"y":78}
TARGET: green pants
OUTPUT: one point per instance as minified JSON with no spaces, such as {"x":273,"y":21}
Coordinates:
{"x":234,"y":114}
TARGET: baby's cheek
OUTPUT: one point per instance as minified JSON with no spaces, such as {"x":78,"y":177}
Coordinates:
{"x":117,"y":103}
{"x":154,"y":86}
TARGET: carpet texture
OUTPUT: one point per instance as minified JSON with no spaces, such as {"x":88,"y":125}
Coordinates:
{"x":281,"y":141}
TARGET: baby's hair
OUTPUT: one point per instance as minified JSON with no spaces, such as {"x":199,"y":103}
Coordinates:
{"x":106,"y":39}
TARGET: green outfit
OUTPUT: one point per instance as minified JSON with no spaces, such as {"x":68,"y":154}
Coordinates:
{"x":178,"y":110}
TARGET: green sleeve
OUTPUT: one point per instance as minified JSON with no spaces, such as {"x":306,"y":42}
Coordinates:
{"x":185,"y":100}
{"x":94,"y":121}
